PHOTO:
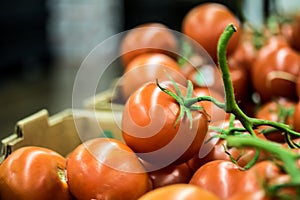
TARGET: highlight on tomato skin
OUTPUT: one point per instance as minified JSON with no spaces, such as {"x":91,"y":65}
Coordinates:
{"x":33,"y":172}
{"x":104,"y":168}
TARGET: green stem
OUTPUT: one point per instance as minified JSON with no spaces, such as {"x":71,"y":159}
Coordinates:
{"x":230,"y":103}
{"x":288,"y":157}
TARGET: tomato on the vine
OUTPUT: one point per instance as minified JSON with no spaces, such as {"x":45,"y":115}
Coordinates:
{"x":34,"y":173}
{"x":151,"y":129}
{"x":103,"y":168}
{"x":207,"y":16}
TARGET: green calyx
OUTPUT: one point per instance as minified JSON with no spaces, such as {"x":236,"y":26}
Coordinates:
{"x":186,"y":103}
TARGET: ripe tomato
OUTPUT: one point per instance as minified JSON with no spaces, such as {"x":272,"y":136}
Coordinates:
{"x":33,"y":173}
{"x":148,"y":126}
{"x":179,"y":192}
{"x":103,"y":168}
{"x":278,"y":110}
{"x":170,"y":175}
{"x":149,"y":37}
{"x":149,"y":67}
{"x":219,"y":177}
{"x":275,"y":75}
{"x":201,"y":19}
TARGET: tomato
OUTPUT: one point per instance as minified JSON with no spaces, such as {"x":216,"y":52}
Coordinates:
{"x":145,"y":38}
{"x":149,"y":126}
{"x":103,"y":168}
{"x":200,"y":20}
{"x":215,"y":113}
{"x":33,"y":173}
{"x":149,"y":67}
{"x":216,"y":149}
{"x":278,"y":110}
{"x":179,"y":192}
{"x":219,"y":177}
{"x":170,"y":175}
{"x":275,"y":75}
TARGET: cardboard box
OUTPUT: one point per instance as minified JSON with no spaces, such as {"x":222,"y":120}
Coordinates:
{"x":61,"y":132}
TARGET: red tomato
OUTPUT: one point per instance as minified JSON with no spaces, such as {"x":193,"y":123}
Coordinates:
{"x":33,"y":173}
{"x":103,"y":168}
{"x":148,"y":126}
{"x":145,"y":38}
{"x":179,"y":192}
{"x":278,"y":110}
{"x":276,"y":74}
{"x":205,"y":23}
{"x":170,"y":175}
{"x":219,"y":177}
{"x":149,"y":67}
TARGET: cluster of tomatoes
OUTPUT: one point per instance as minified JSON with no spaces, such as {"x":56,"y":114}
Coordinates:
{"x":170,"y":148}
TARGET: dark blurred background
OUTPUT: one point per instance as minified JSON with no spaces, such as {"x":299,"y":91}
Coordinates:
{"x":43,"y":42}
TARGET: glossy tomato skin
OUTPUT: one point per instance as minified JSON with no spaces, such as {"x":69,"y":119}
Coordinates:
{"x":271,"y":110}
{"x":33,"y":173}
{"x":103,"y":168}
{"x":207,"y":16}
{"x":145,"y":38}
{"x":148,"y":126}
{"x":219,"y":177}
{"x":276,"y":73}
{"x":149,"y":67}
{"x":179,"y":192}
